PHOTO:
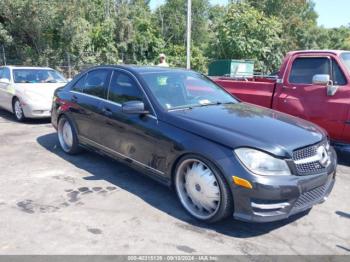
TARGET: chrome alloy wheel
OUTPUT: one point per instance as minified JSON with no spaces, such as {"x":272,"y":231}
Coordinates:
{"x":65,"y":135}
{"x":18,"y":110}
{"x":198,"y":188}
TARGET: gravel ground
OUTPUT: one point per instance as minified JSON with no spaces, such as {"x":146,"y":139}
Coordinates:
{"x":52,"y":203}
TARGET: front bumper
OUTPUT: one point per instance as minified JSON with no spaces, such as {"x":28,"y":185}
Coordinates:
{"x":277,"y":198}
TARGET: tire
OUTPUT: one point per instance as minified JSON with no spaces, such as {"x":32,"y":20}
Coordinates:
{"x":67,"y":136}
{"x":18,"y":110}
{"x":202,"y":189}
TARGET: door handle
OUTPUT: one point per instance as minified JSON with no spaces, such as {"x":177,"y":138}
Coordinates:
{"x":74,"y":98}
{"x":107,"y":112}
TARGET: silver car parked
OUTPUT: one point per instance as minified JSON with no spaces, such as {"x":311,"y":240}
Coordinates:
{"x":28,"y":91}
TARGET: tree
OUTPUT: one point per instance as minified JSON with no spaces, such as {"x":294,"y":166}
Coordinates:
{"x":298,"y":18}
{"x":137,"y":37}
{"x":176,"y":56}
{"x":38,"y":32}
{"x":246,"y":33}
{"x":171,"y":19}
{"x":335,"y":38}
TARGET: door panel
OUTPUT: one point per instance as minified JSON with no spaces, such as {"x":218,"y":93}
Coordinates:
{"x":5,"y":90}
{"x":86,"y":98}
{"x":299,"y":97}
{"x":3,"y":95}
{"x":132,"y":135}
{"x":86,"y":113}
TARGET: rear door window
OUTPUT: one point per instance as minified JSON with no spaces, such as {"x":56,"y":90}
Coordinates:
{"x":96,"y":82}
{"x":79,"y":85}
{"x":6,"y":74}
{"x":2,"y":72}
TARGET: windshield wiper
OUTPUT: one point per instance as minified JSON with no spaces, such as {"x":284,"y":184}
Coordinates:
{"x":180,"y":108}
{"x":200,"y":105}
{"x":211,"y":104}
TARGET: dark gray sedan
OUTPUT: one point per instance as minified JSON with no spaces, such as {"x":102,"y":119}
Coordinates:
{"x":222,"y":156}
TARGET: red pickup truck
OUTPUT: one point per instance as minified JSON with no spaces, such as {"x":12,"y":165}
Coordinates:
{"x":313,"y":85}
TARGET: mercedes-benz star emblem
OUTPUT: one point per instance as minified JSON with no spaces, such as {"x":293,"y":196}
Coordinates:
{"x":323,"y":156}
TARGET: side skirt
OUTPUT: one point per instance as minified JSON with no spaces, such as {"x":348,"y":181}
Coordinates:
{"x":142,"y":168}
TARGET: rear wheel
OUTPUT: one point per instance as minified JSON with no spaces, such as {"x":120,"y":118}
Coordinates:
{"x":67,"y":136}
{"x":18,"y":110}
{"x":202,"y":189}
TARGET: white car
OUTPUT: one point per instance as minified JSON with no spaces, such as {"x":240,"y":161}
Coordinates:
{"x":28,"y":91}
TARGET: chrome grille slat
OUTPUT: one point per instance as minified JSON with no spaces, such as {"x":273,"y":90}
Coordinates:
{"x":309,"y":168}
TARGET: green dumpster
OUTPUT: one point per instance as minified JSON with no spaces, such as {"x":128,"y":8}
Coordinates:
{"x":231,"y":68}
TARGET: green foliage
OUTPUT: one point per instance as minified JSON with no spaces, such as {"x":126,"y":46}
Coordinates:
{"x":246,"y":32}
{"x":85,"y":32}
{"x":137,"y":37}
{"x":335,"y":38}
{"x":176,"y":56}
{"x":171,"y":19}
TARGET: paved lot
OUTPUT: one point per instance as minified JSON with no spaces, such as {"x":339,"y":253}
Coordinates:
{"x":51,"y":203}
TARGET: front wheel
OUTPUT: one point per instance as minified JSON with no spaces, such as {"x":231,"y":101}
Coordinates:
{"x":202,"y":189}
{"x":67,"y":136}
{"x":18,"y":110}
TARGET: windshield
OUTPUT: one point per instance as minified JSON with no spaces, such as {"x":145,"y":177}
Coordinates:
{"x":185,"y":89}
{"x":346,"y":59}
{"x":37,"y":76}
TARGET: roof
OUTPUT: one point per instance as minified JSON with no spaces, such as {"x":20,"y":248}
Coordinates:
{"x":335,"y":52}
{"x":154,"y":69}
{"x":141,"y":69}
{"x":27,"y":67}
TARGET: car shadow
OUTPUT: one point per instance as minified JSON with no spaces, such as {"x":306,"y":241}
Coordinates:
{"x":6,"y":116}
{"x":343,"y":156}
{"x":155,"y":194}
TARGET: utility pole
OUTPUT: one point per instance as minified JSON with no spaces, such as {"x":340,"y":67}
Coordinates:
{"x":3,"y":54}
{"x":188,"y":42}
{"x":107,"y":9}
{"x":69,"y":67}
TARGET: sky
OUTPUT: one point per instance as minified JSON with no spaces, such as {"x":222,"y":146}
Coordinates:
{"x":332,"y":13}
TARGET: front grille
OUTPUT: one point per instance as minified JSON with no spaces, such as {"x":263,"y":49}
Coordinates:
{"x":305,"y":152}
{"x":309,"y":168}
{"x":315,"y":195}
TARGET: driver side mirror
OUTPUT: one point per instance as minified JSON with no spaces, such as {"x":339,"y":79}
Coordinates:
{"x":325,"y":79}
{"x":321,"y":79}
{"x":4,"y":81}
{"x":134,"y":107}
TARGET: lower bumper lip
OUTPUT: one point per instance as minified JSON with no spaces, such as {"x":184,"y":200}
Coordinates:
{"x":270,"y":206}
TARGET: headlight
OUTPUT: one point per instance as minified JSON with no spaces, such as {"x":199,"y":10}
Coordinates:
{"x":261,"y":163}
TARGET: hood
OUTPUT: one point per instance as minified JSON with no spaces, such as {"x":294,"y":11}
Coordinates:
{"x":44,"y":91}
{"x":246,"y":125}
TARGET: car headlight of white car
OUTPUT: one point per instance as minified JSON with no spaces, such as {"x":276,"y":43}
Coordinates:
{"x":261,"y":163}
